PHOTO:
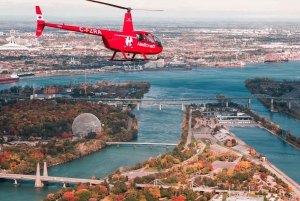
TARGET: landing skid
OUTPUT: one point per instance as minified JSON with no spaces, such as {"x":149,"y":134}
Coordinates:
{"x":132,"y":58}
{"x":136,"y":59}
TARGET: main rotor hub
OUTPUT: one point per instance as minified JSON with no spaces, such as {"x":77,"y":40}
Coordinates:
{"x":129,"y":10}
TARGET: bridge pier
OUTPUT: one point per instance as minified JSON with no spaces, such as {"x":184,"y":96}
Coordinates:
{"x":155,"y":182}
{"x":191,"y":184}
{"x":138,"y":106}
{"x":150,"y":146}
{"x":167,"y":147}
{"x":134,"y":146}
{"x":249,"y":103}
{"x":160,"y":107}
{"x":38,"y":182}
{"x":290,"y":105}
{"x":226,"y":103}
{"x":204,"y":105}
{"x":16,"y":182}
{"x":182,"y":107}
{"x":45,"y":173}
{"x":118,"y":145}
{"x":272,"y":105}
{"x":64,"y":185}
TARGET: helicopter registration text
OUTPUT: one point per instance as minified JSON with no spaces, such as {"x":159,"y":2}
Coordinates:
{"x":90,"y":30}
{"x":146,"y":45}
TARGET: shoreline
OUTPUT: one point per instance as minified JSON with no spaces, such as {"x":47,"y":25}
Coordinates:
{"x":267,"y":164}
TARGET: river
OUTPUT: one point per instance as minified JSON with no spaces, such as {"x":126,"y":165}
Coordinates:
{"x":165,"y":125}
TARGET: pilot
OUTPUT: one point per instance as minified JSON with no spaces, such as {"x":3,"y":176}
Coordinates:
{"x":140,"y":37}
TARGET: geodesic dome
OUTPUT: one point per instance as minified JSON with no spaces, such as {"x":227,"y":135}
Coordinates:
{"x":85,"y":123}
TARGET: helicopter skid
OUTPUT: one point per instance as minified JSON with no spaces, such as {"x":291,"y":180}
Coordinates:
{"x":132,"y":58}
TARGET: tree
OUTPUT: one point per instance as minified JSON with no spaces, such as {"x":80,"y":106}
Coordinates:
{"x":131,"y":195}
{"x":91,"y":135}
{"x":155,"y":192}
{"x":119,"y":187}
{"x":64,"y":135}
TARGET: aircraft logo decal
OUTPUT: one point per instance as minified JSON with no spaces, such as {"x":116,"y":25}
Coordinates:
{"x":129,"y":41}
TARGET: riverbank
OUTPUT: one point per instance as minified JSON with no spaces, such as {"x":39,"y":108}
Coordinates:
{"x":267,"y":164}
{"x":273,"y":133}
{"x":95,"y":71}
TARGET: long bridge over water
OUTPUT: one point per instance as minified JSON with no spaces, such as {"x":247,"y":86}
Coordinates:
{"x":142,"y":143}
{"x":40,"y":180}
{"x":170,"y":102}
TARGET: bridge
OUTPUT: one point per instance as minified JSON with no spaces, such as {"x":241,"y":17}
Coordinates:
{"x":142,"y":143}
{"x":172,"y":102}
{"x":192,"y":185}
{"x":189,"y":101}
{"x":40,"y":180}
{"x":64,"y":180}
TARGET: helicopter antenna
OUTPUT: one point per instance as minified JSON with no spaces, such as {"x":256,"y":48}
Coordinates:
{"x":121,"y":7}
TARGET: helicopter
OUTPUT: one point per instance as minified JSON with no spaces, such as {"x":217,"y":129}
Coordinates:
{"x":128,"y":41}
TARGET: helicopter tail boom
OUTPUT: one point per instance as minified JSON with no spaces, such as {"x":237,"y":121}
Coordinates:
{"x":87,"y":30}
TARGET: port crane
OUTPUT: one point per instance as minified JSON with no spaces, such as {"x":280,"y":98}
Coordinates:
{"x":128,"y":41}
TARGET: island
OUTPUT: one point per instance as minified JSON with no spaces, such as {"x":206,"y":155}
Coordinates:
{"x":209,"y":163}
{"x":38,"y":130}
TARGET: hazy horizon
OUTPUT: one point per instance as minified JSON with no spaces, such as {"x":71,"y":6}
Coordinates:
{"x":288,"y":10}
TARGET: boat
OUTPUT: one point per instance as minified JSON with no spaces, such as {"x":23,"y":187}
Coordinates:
{"x":231,"y":64}
{"x":26,"y":74}
{"x":275,"y":60}
{"x":11,"y":79}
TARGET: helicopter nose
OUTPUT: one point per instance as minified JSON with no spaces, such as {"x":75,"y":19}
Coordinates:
{"x":160,"y":49}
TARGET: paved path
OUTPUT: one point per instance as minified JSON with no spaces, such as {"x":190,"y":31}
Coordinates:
{"x":189,"y":137}
{"x":283,"y":177}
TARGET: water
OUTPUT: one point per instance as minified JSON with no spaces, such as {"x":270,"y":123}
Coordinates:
{"x":281,"y":154}
{"x":165,"y":125}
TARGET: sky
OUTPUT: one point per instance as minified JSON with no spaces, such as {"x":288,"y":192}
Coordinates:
{"x":173,"y":9}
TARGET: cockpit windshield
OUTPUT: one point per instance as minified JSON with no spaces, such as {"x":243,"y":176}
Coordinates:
{"x":158,"y":42}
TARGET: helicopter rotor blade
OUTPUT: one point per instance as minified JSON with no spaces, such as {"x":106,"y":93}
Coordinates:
{"x":146,"y":9}
{"x":121,"y":7}
{"x":108,"y":4}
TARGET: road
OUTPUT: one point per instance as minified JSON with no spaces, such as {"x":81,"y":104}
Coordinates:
{"x":189,"y":137}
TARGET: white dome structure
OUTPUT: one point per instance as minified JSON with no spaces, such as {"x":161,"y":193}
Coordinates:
{"x":84,"y":124}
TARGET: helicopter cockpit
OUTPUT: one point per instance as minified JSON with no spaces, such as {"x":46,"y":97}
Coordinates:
{"x":149,"y":38}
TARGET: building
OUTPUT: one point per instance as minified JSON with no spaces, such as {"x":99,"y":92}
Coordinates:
{"x":12,"y":44}
{"x":239,"y":119}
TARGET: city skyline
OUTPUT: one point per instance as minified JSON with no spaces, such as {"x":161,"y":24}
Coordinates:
{"x":196,"y":10}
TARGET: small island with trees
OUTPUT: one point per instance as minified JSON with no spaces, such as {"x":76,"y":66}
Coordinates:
{"x":284,"y":89}
{"x":35,"y":130}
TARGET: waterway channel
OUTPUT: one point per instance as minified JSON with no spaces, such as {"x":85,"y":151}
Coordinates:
{"x":165,"y":125}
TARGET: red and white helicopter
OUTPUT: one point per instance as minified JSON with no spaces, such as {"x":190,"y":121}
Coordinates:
{"x":126,"y":41}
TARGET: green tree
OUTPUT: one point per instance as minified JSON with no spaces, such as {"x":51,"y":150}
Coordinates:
{"x":119,"y":187}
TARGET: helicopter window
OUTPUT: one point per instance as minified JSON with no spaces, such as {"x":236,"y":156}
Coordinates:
{"x":140,"y":37}
{"x":149,"y":38}
{"x":158,"y":42}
